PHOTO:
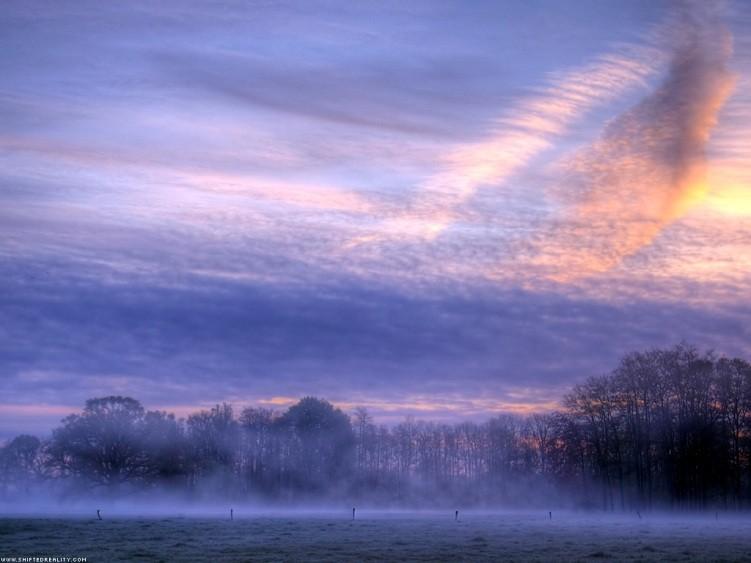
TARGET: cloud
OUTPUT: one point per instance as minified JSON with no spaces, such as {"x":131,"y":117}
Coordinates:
{"x":417,"y":96}
{"x":522,"y":132}
{"x":650,"y":164}
{"x":729,"y":152}
{"x":178,"y":187}
{"x":71,"y":330}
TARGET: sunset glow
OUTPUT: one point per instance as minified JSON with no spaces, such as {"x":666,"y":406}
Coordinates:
{"x":427,"y":210}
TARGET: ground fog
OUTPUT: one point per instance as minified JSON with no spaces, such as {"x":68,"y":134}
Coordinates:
{"x":379,"y":536}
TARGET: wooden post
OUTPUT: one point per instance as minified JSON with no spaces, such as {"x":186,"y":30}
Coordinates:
{"x":353,"y":513}
{"x":456,"y":516}
{"x":550,"y":514}
{"x":231,"y":514}
{"x":98,"y":515}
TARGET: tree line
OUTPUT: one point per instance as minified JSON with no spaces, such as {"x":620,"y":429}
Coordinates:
{"x":666,"y":428}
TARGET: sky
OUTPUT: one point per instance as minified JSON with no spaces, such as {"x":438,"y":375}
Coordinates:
{"x":441,"y":209}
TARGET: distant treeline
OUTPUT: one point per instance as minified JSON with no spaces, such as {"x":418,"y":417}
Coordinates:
{"x":667,"y":428}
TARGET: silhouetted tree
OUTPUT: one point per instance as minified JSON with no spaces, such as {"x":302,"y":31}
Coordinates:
{"x":321,"y":444}
{"x":103,"y":445}
{"x":19,"y":464}
{"x":667,"y":427}
{"x":213,"y":438}
{"x":166,"y":450}
{"x":260,"y":450}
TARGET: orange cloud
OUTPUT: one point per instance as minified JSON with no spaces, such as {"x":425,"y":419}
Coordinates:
{"x":523,"y":132}
{"x":650,"y":165}
{"x":729,"y":173}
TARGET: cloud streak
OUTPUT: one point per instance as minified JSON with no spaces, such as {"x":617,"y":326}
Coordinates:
{"x":524,"y":131}
{"x":179,"y":181}
{"x":68,"y":336}
{"x":649,"y":166}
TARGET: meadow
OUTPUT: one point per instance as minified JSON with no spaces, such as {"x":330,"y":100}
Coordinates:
{"x":380,"y":536}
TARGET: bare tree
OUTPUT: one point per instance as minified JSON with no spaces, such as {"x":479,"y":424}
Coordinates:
{"x":668,"y":427}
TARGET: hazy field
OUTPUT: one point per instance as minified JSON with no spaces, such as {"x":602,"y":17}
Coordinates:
{"x":378,"y":536}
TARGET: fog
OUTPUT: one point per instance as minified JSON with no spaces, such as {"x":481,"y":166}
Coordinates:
{"x":160,"y":506}
{"x":666,"y":430}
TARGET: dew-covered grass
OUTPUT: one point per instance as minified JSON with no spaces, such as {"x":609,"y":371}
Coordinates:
{"x":381,"y":537}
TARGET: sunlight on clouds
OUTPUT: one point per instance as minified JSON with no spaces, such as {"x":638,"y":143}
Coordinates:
{"x":729,"y":174}
{"x":293,"y":193}
{"x":444,"y":212}
{"x":523,"y":132}
{"x":731,"y":200}
{"x":393,"y":410}
{"x":649,"y":167}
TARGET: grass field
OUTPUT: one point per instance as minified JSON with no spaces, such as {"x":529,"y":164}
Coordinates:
{"x":381,"y":537}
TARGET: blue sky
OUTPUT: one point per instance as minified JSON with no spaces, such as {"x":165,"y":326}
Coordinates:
{"x":446,"y":209}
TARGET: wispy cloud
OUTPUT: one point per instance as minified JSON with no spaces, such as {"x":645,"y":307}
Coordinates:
{"x":178,"y":182}
{"x":650,"y":164}
{"x":522,"y":132}
{"x":729,"y":150}
{"x":67,"y":335}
